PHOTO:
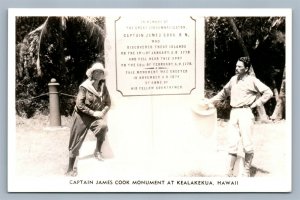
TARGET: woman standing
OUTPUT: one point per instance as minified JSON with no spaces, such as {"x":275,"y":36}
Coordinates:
{"x":92,"y":104}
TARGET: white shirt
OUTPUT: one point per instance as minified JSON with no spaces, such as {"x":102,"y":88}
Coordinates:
{"x":244,"y":91}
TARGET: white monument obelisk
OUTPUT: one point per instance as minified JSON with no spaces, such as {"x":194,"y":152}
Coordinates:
{"x":156,"y":81}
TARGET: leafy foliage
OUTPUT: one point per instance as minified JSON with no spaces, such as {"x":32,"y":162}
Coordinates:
{"x":264,"y":38}
{"x":61,"y":48}
{"x":64,"y":47}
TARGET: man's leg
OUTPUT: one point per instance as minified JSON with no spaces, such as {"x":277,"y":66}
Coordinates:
{"x":248,"y":161}
{"x":246,"y":129}
{"x":233,"y":141}
{"x":232,"y":160}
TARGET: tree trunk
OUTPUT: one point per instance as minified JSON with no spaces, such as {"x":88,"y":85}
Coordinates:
{"x":262,"y":116}
{"x":280,"y":101}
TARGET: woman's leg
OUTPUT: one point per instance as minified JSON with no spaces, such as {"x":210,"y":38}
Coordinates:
{"x":77,"y":135}
{"x":100,"y":129}
{"x":71,"y":170}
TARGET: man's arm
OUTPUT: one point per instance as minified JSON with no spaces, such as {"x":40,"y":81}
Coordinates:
{"x":222,"y":95}
{"x":264,"y":90}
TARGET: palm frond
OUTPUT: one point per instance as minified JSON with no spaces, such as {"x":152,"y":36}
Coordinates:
{"x":94,"y":26}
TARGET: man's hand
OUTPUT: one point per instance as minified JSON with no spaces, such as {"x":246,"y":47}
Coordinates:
{"x":206,"y":103}
{"x":210,"y":103}
{"x":255,"y":104}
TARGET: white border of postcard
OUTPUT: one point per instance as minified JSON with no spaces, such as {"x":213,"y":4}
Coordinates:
{"x":62,"y":184}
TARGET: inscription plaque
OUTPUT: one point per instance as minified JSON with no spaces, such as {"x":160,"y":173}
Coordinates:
{"x":155,"y":56}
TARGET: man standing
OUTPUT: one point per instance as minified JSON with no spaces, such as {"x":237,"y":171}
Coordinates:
{"x":244,"y":91}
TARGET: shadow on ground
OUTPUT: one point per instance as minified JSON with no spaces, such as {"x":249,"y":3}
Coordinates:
{"x":255,"y":170}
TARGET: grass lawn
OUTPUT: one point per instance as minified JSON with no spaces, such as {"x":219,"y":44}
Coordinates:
{"x":44,"y":153}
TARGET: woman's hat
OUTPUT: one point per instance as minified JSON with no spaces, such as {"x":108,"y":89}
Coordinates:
{"x":95,"y":66}
{"x":204,"y":108}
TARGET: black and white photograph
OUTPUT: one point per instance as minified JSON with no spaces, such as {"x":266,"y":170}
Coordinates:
{"x":149,"y":100}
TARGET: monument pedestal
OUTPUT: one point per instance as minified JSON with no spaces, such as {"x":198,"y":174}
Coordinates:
{"x":156,"y":78}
